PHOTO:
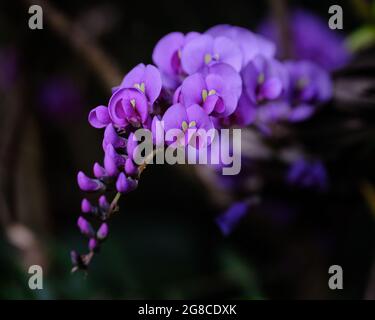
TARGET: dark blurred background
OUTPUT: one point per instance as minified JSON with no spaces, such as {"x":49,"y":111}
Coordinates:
{"x":165,"y":242}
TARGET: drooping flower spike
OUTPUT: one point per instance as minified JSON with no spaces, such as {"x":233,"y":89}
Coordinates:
{"x":227,"y":76}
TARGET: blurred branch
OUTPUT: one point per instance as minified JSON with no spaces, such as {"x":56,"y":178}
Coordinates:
{"x":279,"y":11}
{"x":22,"y":201}
{"x":368,"y":192}
{"x":362,"y":8}
{"x":75,"y":36}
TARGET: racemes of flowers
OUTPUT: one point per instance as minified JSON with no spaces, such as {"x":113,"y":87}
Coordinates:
{"x":227,"y":76}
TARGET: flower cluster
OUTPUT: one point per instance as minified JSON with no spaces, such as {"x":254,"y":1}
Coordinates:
{"x":226,"y":76}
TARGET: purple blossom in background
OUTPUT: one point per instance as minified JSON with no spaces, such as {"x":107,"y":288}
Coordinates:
{"x":250,"y":44}
{"x":230,"y":218}
{"x":309,"y":86}
{"x":9,"y":66}
{"x":60,"y":99}
{"x":308,"y":174}
{"x":311,"y":39}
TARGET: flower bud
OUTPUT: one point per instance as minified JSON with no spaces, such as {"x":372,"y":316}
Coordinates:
{"x":103,"y":202}
{"x":103,"y":231}
{"x":86,"y":206}
{"x":99,"y":171}
{"x":85,"y":227}
{"x":130,"y":168}
{"x":124,"y":184}
{"x":131,"y":145}
{"x":93,"y":244}
{"x":87,"y":184}
{"x":111,"y":137}
{"x":112,"y":160}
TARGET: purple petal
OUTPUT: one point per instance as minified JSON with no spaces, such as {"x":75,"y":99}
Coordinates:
{"x":153,"y":83}
{"x":147,"y":79}
{"x":230,"y":219}
{"x":199,"y":116}
{"x":174,"y":116}
{"x":228,"y":52}
{"x":194,"y":52}
{"x":191,"y":89}
{"x":249,"y":43}
{"x":165,"y":50}
{"x":301,"y":112}
{"x":99,"y":117}
{"x":245,"y":113}
{"x":271,"y":88}
{"x":157,"y":130}
{"x":131,"y":145}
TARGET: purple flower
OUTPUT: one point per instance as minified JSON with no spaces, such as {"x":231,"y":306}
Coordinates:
{"x":103,"y":231}
{"x":308,"y":174}
{"x":205,"y":50}
{"x":309,"y":86}
{"x":230,"y":218}
{"x":60,"y":98}
{"x":167,"y":56}
{"x":87,"y":184}
{"x":311,"y":39}
{"x":147,"y":79}
{"x":264,"y":85}
{"x":99,"y":117}
{"x":185,"y":122}
{"x":217,"y":92}
{"x":128,"y":106}
{"x":85,"y":227}
{"x":249,"y":43}
{"x":10,"y":67}
{"x":124,"y":184}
